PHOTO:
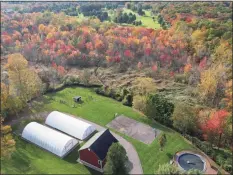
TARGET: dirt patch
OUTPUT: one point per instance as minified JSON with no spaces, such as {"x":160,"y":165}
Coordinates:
{"x":134,"y":129}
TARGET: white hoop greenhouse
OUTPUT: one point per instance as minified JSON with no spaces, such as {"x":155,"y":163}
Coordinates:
{"x":49,"y":139}
{"x":70,"y":125}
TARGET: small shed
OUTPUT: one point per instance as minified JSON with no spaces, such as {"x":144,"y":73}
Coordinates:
{"x":77,"y":98}
{"x":93,"y":153}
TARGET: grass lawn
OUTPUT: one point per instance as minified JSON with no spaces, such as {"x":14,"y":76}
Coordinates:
{"x":30,"y":159}
{"x":147,"y":20}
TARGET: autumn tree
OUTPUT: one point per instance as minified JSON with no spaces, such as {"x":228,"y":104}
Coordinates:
{"x":144,"y":86}
{"x":7,"y":141}
{"x":209,"y":83}
{"x":24,"y":83}
{"x":213,"y":128}
{"x":139,"y":102}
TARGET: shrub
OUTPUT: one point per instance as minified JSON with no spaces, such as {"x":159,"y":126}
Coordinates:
{"x":159,"y":108}
{"x":70,"y":80}
{"x":109,"y":93}
{"x":184,"y":118}
{"x":181,"y":78}
{"x":139,"y":102}
{"x":168,"y":169}
{"x":128,"y":100}
{"x":194,"y":171}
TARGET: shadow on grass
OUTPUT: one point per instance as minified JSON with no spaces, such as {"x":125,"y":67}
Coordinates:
{"x":73,"y":156}
{"x":169,"y":155}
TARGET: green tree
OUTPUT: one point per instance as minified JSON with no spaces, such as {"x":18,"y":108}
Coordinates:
{"x":162,"y":141}
{"x":116,"y":160}
{"x":184,"y":118}
{"x":159,"y":108}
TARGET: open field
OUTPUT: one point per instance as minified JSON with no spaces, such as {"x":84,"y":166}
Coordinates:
{"x":147,"y":20}
{"x":100,"y":110}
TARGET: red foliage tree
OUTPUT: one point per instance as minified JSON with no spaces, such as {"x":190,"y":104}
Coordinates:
{"x":154,"y":68}
{"x":127,"y":53}
{"x":202,"y":63}
{"x":215,"y":125}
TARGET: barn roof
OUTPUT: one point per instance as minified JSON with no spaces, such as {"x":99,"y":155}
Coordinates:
{"x":100,"y":143}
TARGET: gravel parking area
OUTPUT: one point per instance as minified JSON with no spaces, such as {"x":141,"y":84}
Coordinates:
{"x":134,"y":129}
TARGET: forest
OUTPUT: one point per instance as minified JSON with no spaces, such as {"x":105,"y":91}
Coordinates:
{"x":191,"y":50}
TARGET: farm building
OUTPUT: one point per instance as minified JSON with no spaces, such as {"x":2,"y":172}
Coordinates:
{"x":69,"y":125}
{"x":93,"y":153}
{"x":49,"y":139}
{"x":77,"y":99}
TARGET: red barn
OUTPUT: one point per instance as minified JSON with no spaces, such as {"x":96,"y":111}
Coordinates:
{"x":93,"y":152}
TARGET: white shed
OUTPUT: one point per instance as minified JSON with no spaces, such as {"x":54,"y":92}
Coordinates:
{"x":49,"y":139}
{"x":70,"y":125}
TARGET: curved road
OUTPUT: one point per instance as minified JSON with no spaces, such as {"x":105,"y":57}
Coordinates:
{"x":134,"y":161}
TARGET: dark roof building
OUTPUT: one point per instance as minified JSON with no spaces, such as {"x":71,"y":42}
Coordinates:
{"x":93,"y":153}
{"x":77,"y":98}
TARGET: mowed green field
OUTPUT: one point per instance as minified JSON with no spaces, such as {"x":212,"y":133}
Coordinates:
{"x":31,"y":159}
{"x":147,"y":20}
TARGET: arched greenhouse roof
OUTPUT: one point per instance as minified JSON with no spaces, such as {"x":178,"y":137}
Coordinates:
{"x":70,"y":125}
{"x":49,"y":139}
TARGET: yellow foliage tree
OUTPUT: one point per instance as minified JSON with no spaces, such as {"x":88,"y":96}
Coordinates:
{"x":187,"y":68}
{"x":209,"y":81}
{"x":223,"y":52}
{"x":139,"y":102}
{"x":144,"y":85}
{"x":23,"y":81}
{"x":41,"y":28}
{"x":7,"y":141}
